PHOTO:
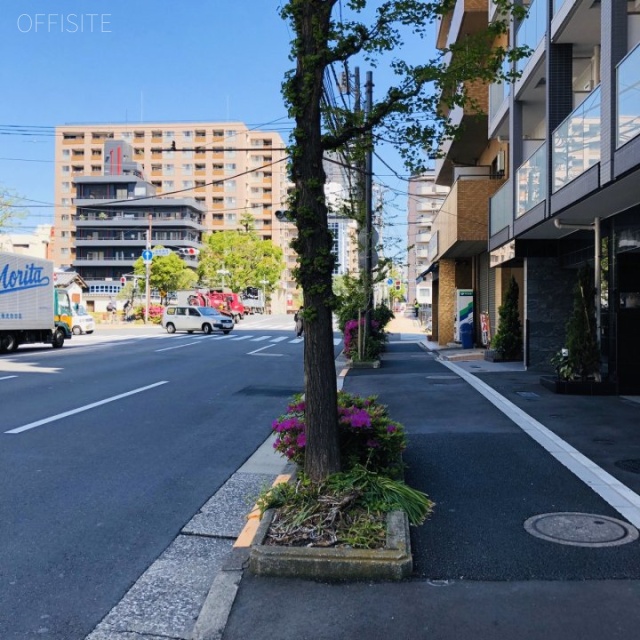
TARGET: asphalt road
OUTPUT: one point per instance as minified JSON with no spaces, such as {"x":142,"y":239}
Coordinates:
{"x":110,"y":445}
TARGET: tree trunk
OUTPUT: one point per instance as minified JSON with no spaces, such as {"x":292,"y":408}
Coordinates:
{"x":314,"y":242}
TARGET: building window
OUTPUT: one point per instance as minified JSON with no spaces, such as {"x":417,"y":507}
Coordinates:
{"x":66,"y":168}
{"x":187,"y":169}
{"x":66,"y":186}
{"x":187,"y":135}
{"x":169,"y":135}
{"x":96,"y":168}
{"x":230,"y":201}
{"x":187,"y":154}
{"x":168,"y":169}
{"x":230,"y":217}
{"x":168,"y":184}
{"x":187,"y":184}
{"x":66,"y":153}
{"x":230,"y":166}
{"x":229,"y":185}
{"x":230,"y":133}
{"x":127,"y":135}
{"x":156,"y":167}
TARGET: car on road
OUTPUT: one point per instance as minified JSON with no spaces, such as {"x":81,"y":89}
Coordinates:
{"x":191,"y":318}
{"x":82,"y":321}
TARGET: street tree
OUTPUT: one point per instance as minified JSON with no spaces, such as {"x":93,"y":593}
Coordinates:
{"x":8,"y":211}
{"x":410,"y":114}
{"x":239,"y":259}
{"x":166,"y":273}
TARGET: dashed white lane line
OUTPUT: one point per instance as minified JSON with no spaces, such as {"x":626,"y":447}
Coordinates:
{"x":610,"y":489}
{"x":7,"y":377}
{"x":179,"y":346}
{"x":93,"y":405}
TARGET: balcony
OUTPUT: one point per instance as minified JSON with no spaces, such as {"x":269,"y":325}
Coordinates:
{"x":532,"y":29}
{"x":501,"y":208}
{"x":460,"y":227}
{"x":531,"y":181}
{"x":628,"y":98}
{"x":576,"y":142}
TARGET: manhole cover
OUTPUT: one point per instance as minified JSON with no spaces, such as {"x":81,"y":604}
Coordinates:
{"x":581,"y":529}
{"x":628,"y":465}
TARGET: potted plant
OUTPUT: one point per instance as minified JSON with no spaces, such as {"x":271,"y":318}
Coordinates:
{"x":577,"y":365}
{"x":506,"y":345}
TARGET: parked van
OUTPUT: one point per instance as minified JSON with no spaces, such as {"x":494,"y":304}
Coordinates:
{"x":190,"y":319}
{"x":82,"y":321}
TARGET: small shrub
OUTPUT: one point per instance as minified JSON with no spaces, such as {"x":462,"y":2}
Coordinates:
{"x":155,"y":313}
{"x":508,"y":339}
{"x":367,"y":435}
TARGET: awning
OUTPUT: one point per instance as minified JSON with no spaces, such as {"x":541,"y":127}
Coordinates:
{"x":432,"y":267}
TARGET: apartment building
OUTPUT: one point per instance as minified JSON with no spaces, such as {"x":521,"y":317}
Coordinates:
{"x":564,"y":140}
{"x":228,"y":169}
{"x":425,"y":199}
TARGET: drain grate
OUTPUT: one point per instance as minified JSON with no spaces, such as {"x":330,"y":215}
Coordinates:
{"x":629,"y":465}
{"x":581,"y":529}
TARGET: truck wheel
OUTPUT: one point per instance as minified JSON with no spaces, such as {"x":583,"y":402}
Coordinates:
{"x":171,"y":328}
{"x":8,"y":342}
{"x":58,"y":339}
{"x":76,"y":331}
{"x":207,"y":328}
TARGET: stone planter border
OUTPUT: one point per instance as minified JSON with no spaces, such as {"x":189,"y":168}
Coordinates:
{"x":394,"y":562}
{"x":578,"y":387}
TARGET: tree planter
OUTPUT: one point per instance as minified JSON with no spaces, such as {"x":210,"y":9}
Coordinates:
{"x":394,"y":562}
{"x":579,"y":387}
{"x":491,"y":355}
{"x":363,"y":364}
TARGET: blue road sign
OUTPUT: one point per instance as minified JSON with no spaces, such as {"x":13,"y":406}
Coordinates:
{"x":389,"y":281}
{"x":147,"y":255}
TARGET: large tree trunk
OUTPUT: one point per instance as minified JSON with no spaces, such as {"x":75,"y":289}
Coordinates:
{"x":314,"y":241}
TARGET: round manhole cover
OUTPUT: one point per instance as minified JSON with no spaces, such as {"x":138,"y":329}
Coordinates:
{"x":628,"y":465}
{"x":581,"y":529}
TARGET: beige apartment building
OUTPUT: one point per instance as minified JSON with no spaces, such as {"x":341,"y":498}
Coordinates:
{"x":229,"y":170}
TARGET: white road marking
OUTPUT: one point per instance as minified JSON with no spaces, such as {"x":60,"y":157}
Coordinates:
{"x":260,"y":338}
{"x":7,"y":377}
{"x":38,"y":423}
{"x":280,"y":339}
{"x":179,"y":346}
{"x":268,"y":346}
{"x":241,"y":338}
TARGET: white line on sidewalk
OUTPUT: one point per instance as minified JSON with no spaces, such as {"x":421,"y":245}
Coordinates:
{"x":610,"y":489}
{"x":39,"y":423}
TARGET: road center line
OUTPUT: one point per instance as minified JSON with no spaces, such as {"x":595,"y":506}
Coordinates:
{"x":39,"y":423}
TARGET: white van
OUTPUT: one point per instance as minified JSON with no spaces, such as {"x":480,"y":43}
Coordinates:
{"x":190,"y":319}
{"x":82,"y":321}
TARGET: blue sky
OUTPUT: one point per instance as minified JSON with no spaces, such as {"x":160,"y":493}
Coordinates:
{"x":133,"y":61}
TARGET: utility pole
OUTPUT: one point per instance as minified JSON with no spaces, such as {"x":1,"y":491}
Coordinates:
{"x":148,"y":274}
{"x":368,"y":206}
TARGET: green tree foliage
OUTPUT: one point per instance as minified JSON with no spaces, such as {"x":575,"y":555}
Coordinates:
{"x":508,"y":339}
{"x":584,"y":355}
{"x":244,"y":257}
{"x":410,"y":114}
{"x":167,"y":273}
{"x":8,"y":211}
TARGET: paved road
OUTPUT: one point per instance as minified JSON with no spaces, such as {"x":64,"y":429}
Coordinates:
{"x":109,"y":446}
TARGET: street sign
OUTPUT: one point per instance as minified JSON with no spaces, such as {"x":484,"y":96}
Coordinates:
{"x":147,"y":256}
{"x":161,"y":252}
{"x":389,"y":281}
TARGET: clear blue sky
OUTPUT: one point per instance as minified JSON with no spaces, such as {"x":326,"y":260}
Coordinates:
{"x":138,"y":60}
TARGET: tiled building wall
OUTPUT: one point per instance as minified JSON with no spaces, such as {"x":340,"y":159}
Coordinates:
{"x":549,"y":303}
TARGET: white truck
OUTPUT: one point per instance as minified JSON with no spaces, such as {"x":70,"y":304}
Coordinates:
{"x":32,"y":310}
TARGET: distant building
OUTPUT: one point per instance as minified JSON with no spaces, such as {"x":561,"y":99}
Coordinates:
{"x":226,"y":168}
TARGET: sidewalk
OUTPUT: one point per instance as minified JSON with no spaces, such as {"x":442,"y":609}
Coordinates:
{"x":492,"y":448}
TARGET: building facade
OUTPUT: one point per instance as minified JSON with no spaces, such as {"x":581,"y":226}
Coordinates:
{"x":563,"y":145}
{"x":425,"y":199}
{"x":227,"y":169}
